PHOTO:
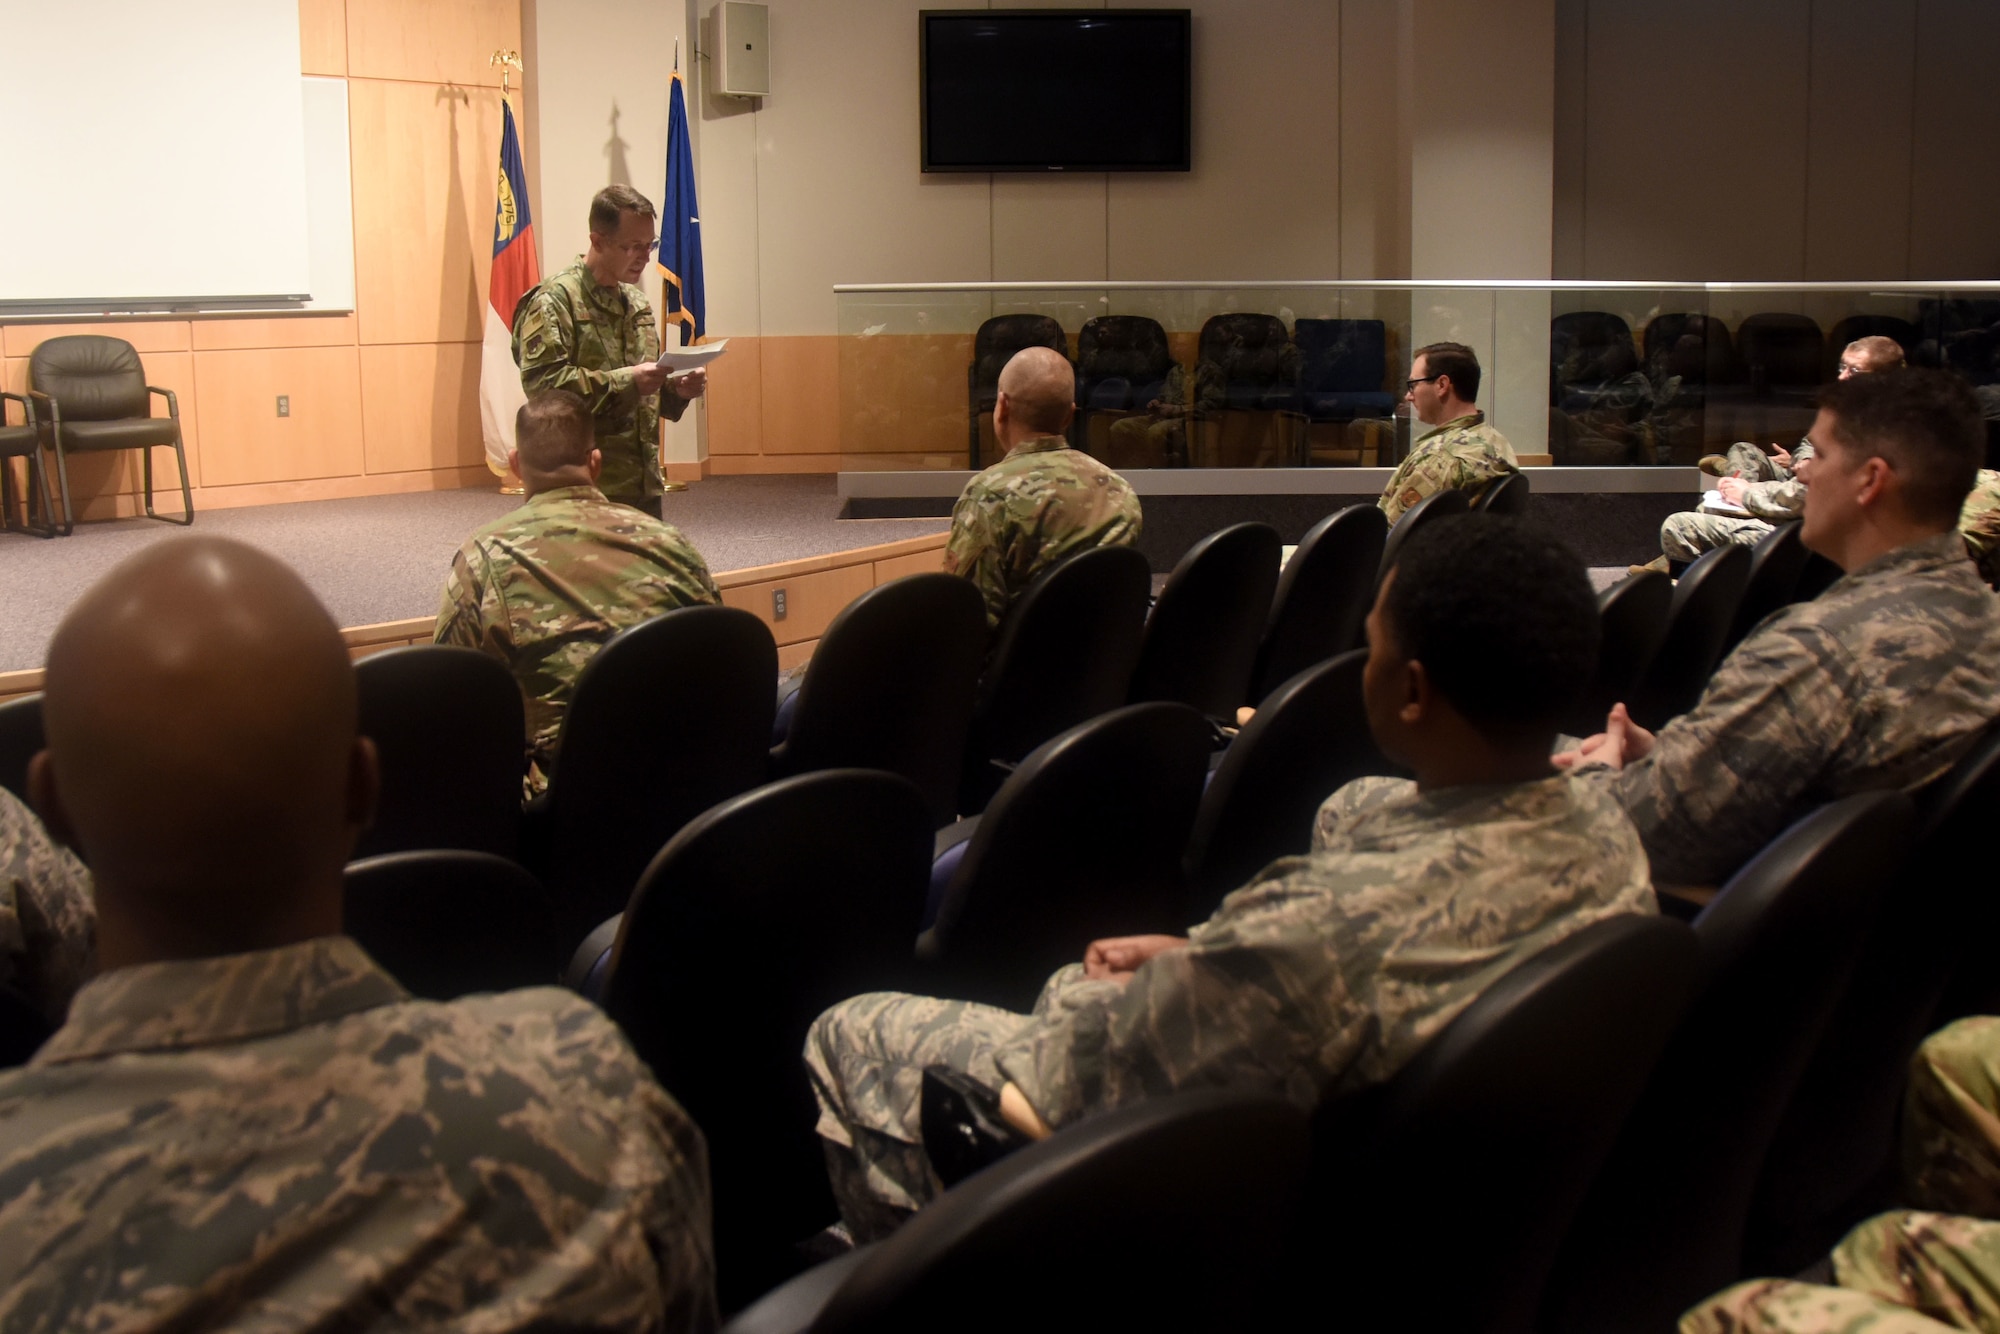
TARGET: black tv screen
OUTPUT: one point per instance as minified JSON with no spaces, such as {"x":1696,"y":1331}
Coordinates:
{"x":1055,"y":89}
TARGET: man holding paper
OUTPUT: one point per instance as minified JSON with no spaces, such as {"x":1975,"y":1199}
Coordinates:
{"x":590,"y":330}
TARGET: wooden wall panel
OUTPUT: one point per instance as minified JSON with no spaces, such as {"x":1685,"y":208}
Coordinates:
{"x":801,"y":395}
{"x":291,"y":331}
{"x":435,"y":41}
{"x":811,"y":600}
{"x":249,"y":442}
{"x":917,"y":562}
{"x":420,"y":406}
{"x":145,"y":336}
{"x":736,"y":399}
{"x":323,"y":37}
{"x":903,"y":393}
{"x":424,"y":160}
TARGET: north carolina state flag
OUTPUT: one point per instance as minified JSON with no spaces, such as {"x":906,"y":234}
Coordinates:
{"x":515,"y":271}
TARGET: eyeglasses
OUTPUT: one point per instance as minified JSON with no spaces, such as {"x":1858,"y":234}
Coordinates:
{"x":1408,"y":385}
{"x":646,"y":249}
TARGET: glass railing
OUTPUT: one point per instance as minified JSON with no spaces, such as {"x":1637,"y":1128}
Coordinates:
{"x":1311,"y":374}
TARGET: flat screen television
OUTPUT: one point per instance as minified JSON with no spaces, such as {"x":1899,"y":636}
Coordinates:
{"x":1055,"y":89}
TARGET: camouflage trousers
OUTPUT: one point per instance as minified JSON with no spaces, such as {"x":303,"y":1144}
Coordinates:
{"x":1686,"y":537}
{"x":1753,"y":464}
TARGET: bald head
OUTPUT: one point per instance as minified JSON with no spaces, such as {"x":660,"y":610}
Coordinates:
{"x":1037,"y":395}
{"x":202,"y":755}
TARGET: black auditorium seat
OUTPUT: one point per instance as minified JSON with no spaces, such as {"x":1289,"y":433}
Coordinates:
{"x":1633,"y":613}
{"x":891,"y":687}
{"x":1082,"y":841}
{"x":1309,"y":737}
{"x":670,"y":717}
{"x":449,"y":923}
{"x":1664,"y":1223}
{"x":993,"y":346}
{"x":1776,"y":563}
{"x":1704,"y":608}
{"x":759,"y":915}
{"x":1437,"y":505}
{"x":1065,"y":653}
{"x":1507,"y":494}
{"x":1202,"y":638}
{"x":1323,"y":596}
{"x":1167,"y":1216}
{"x":20,"y":737}
{"x":1485,"y":1143}
{"x":447,"y":725}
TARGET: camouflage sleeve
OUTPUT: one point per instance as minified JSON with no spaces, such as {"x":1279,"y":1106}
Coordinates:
{"x":1941,"y":1266}
{"x":1775,"y":500}
{"x":1725,"y":776}
{"x":48,"y":917}
{"x":548,"y":342}
{"x":973,"y":552}
{"x":1951,"y":1121}
{"x":470,"y":614}
{"x":1782,"y":1306}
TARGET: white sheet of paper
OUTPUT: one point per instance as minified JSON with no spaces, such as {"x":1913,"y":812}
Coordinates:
{"x":688,"y":358}
{"x":1712,"y":500}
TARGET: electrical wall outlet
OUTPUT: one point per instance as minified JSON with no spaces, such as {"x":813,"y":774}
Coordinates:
{"x":777,"y":604}
{"x":284,"y":405}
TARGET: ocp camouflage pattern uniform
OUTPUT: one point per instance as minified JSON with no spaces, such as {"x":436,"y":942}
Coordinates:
{"x":1774,"y":495}
{"x":1464,"y":454}
{"x":1979,"y":525}
{"x":285,"y":1140}
{"x":1880,"y":683}
{"x":543,"y":589}
{"x":1026,"y":512}
{"x":570,"y":333}
{"x":1325,"y":974}
{"x":1931,"y":1268}
{"x":48,"y":916}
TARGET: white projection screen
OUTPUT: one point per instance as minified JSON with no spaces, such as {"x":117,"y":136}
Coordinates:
{"x":155,"y":154}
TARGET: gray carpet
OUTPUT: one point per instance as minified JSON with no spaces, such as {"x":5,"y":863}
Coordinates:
{"x":384,"y":558}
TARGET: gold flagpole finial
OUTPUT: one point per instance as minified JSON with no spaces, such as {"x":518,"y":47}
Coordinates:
{"x":508,"y":61}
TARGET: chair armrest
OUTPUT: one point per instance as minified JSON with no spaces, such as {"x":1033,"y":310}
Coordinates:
{"x":55,"y":408}
{"x":27,"y":407}
{"x":173,"y":403}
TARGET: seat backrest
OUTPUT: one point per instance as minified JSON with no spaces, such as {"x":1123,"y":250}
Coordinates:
{"x":1131,"y":347}
{"x":1781,"y":349}
{"x":1167,"y":1215}
{"x":1633,"y":613}
{"x":1591,"y":345}
{"x":91,"y":377}
{"x":1832,"y":1161}
{"x":1704,"y":607}
{"x":1664,"y":1222}
{"x":1485,"y":1143}
{"x":1309,"y":737}
{"x":447,"y":923}
{"x":1695,"y":347}
{"x":1775,"y":565}
{"x":1342,"y":356}
{"x":816,"y":883}
{"x":1249,"y":349}
{"x":1437,"y":505}
{"x":670,"y":717}
{"x":1201,"y":640}
{"x":1065,"y":653}
{"x":891,"y":687}
{"x":1082,"y":841}
{"x":999,"y":338}
{"x":20,"y":737}
{"x":1323,"y":596}
{"x":1506,"y":494}
{"x":448,"y":726}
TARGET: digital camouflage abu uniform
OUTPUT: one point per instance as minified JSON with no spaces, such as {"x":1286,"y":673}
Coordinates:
{"x":1773,"y":495}
{"x":48,"y":918}
{"x":1325,"y":974}
{"x":1929,"y":1269}
{"x":543,"y":588}
{"x":1462,"y":455}
{"x":1979,"y":524}
{"x":1881,"y":683}
{"x":1029,"y":510}
{"x":284,"y":1140}
{"x":570,"y":333}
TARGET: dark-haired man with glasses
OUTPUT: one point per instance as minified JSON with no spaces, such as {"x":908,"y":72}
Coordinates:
{"x":1460,"y":451}
{"x":590,"y":330}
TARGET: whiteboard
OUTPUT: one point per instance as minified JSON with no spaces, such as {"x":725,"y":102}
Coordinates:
{"x":157,"y":154}
{"x":329,"y":196}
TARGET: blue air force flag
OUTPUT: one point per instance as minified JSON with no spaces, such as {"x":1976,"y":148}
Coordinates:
{"x":680,"y":226}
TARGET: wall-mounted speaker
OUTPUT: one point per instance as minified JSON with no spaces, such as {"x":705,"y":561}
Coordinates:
{"x":742,"y":49}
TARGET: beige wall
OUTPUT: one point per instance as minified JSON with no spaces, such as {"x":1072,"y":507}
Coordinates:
{"x":1786,"y":140}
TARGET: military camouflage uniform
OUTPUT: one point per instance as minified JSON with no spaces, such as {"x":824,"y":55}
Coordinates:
{"x":543,"y":588}
{"x":1040,"y":503}
{"x":570,"y":333}
{"x":1773,"y":495}
{"x":1880,"y":683}
{"x":1323,"y":975}
{"x":285,"y":1140}
{"x":48,"y":919}
{"x":1933,"y":1269}
{"x":1979,"y":524}
{"x":1462,"y":455}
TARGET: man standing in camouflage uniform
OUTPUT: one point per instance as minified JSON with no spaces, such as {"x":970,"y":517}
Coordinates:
{"x":1460,"y":452}
{"x":246,"y":1123}
{"x":589,"y":329}
{"x":1328,"y":971}
{"x":1882,"y":682}
{"x":48,"y":923}
{"x":1044,"y":500}
{"x":543,"y":588}
{"x":1931,"y":1268}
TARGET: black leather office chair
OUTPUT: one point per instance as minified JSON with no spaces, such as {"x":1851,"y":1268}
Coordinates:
{"x":1323,"y":596}
{"x":1246,"y":364}
{"x":1202,"y":638}
{"x":447,"y":923}
{"x":94,"y":390}
{"x":1122,"y":364}
{"x":24,"y":442}
{"x":1343,"y":366}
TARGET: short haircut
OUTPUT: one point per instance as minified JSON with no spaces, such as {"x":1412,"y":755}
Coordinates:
{"x":553,"y":431}
{"x":1456,"y":360}
{"x":1501,"y":616}
{"x":1925,"y":424}
{"x":610,"y":205}
{"x":1041,"y":388}
{"x":1879,"y":352}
